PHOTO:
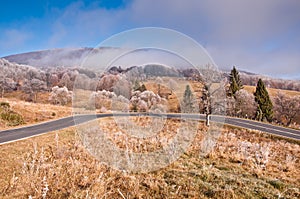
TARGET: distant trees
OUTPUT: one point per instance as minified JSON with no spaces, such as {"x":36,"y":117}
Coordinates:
{"x":235,"y":82}
{"x":66,"y":81}
{"x":264,"y":103}
{"x":147,"y":100}
{"x":32,"y":87}
{"x":107,"y":82}
{"x":286,"y":108}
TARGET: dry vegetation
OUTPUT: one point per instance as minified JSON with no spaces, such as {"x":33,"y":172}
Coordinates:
{"x":244,"y":164}
{"x":272,"y":91}
{"x":174,"y":97}
{"x":35,"y":112}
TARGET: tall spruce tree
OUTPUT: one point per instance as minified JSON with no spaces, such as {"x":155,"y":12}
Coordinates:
{"x":235,"y":82}
{"x":265,"y":106}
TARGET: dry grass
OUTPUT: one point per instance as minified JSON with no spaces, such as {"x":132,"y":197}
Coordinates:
{"x":272,"y":91}
{"x":244,"y":164}
{"x":35,"y":112}
{"x":41,"y":97}
{"x":174,"y":98}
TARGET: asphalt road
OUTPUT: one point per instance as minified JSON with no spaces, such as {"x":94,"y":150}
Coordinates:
{"x":12,"y":135}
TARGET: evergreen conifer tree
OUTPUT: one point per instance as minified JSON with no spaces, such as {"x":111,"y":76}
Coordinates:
{"x":265,"y":106}
{"x":235,"y":82}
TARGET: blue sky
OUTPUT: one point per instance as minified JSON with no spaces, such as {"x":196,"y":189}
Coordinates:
{"x":257,"y":36}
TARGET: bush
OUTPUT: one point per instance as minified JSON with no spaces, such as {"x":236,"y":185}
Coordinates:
{"x":13,"y":119}
{"x":277,"y":184}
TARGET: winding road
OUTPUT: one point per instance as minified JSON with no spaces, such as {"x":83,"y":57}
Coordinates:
{"x":16,"y":134}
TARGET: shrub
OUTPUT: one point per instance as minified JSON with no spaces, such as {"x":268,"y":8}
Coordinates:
{"x":277,"y":184}
{"x":13,"y":118}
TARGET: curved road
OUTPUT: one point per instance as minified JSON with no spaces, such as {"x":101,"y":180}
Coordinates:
{"x":12,"y":135}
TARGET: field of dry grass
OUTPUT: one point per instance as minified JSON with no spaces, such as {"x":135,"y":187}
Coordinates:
{"x":35,"y":112}
{"x":174,"y":97}
{"x":243,"y":164}
{"x":272,"y":91}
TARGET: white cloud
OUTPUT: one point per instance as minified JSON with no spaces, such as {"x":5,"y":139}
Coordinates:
{"x":234,"y":32}
{"x":259,"y":36}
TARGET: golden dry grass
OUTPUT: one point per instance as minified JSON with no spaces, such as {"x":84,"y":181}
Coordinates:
{"x":174,"y":98}
{"x":35,"y":112}
{"x":272,"y":91}
{"x":56,"y":165}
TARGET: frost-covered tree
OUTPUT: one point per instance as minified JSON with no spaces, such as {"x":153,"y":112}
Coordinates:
{"x":32,"y":87}
{"x":66,"y":81}
{"x":286,"y":108}
{"x":122,"y":87}
{"x":147,"y":101}
{"x":60,"y":95}
{"x":245,"y":105}
{"x":107,"y":82}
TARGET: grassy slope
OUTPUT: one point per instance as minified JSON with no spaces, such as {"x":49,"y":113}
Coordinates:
{"x":272,"y":91}
{"x":35,"y":112}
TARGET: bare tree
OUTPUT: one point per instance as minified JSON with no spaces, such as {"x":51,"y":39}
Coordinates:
{"x":245,"y":105}
{"x":286,"y":108}
{"x":66,"y":81}
{"x":213,"y":99}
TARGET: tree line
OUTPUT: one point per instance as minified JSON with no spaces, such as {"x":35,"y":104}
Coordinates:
{"x":281,"y":108}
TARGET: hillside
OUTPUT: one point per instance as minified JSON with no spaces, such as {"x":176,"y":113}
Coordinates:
{"x":73,"y":57}
{"x":51,"y":58}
